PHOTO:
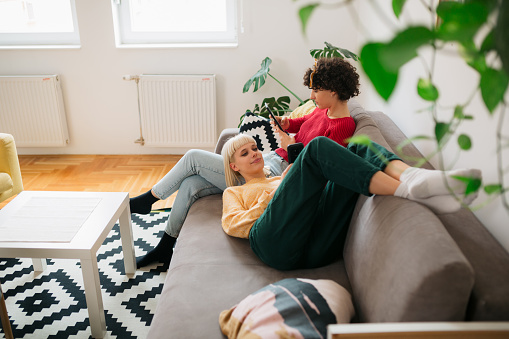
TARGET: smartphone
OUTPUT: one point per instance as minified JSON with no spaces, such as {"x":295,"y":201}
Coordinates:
{"x":294,"y":151}
{"x":274,"y":118}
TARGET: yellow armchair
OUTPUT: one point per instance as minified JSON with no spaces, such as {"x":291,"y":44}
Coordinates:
{"x":10,"y":173}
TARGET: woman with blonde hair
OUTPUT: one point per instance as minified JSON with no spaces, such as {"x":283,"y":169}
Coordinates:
{"x":299,"y":220}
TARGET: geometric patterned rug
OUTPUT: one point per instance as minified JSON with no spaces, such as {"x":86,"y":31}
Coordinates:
{"x":52,"y":303}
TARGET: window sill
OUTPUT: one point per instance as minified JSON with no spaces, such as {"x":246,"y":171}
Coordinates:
{"x":4,"y":47}
{"x":180,"y":45}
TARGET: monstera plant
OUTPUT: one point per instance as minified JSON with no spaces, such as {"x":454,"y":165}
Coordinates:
{"x":278,"y":106}
{"x":281,"y":105}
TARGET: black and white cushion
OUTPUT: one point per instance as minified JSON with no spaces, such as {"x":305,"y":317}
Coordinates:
{"x":261,"y":130}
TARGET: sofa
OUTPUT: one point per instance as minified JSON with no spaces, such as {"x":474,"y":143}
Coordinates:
{"x":400,"y":262}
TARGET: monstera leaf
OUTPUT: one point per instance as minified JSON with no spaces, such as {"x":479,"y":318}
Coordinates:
{"x":258,"y":80}
{"x":278,"y":106}
{"x":331,"y":51}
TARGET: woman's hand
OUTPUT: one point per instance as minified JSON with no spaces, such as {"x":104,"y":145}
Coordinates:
{"x":271,"y":194}
{"x":283,"y":175}
{"x":283,"y":121}
{"x":285,"y":139}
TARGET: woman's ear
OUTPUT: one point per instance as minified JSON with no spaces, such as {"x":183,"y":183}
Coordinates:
{"x":234,"y":167}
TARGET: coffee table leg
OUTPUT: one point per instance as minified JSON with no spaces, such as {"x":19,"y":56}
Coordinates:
{"x":6,"y":324}
{"x":126,"y":234}
{"x":94,"y":297}
{"x":39,"y":264}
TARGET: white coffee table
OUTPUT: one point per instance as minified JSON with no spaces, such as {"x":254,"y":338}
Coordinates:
{"x":76,"y":232}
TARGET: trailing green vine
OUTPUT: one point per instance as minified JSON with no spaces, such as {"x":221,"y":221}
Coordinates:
{"x":462,"y":23}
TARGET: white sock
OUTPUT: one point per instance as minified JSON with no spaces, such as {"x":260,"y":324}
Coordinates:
{"x":423,"y":183}
{"x":401,"y":191}
{"x":440,"y":204}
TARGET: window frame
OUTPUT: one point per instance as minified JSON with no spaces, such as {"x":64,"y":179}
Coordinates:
{"x":44,"y":40}
{"x":125,"y":38}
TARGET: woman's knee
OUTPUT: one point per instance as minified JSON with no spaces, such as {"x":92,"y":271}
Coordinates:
{"x":195,"y":154}
{"x":317,"y":141}
{"x":323,"y":146}
{"x":193,"y":185}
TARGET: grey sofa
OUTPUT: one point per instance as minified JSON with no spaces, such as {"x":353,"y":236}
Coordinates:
{"x":400,"y":261}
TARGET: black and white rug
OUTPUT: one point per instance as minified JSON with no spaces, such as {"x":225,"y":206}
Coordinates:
{"x":52,"y":304}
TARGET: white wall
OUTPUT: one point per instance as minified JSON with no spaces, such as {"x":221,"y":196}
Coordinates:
{"x":102,"y":110}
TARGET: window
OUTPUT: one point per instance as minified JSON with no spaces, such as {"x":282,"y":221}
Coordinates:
{"x":38,"y":22}
{"x":174,"y":22}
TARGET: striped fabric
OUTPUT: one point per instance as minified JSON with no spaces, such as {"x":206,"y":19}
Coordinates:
{"x":290,"y":308}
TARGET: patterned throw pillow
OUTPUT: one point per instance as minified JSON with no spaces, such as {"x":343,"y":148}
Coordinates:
{"x":290,"y":308}
{"x":261,"y":130}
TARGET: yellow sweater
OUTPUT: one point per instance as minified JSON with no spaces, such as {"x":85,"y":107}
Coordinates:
{"x":243,"y":205}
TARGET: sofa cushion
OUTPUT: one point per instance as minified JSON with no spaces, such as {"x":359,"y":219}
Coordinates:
{"x":365,"y":125}
{"x":226,"y":134}
{"x":261,"y":130}
{"x":5,"y":182}
{"x":303,"y":110}
{"x":11,"y":182}
{"x":290,"y":308}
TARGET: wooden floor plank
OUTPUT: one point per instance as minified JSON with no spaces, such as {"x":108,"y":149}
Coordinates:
{"x":135,"y":174}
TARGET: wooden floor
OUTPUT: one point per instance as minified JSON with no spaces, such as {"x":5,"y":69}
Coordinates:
{"x":135,"y":174}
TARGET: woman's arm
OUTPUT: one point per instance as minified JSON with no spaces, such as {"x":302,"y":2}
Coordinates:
{"x":291,"y":125}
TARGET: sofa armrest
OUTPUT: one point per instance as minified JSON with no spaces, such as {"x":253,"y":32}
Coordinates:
{"x":9,"y":164}
{"x":226,"y":134}
{"x":403,"y":265}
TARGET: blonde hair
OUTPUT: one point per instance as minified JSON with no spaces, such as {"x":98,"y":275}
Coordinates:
{"x":230,"y":147}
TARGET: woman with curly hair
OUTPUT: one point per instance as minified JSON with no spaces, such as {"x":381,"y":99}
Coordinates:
{"x":333,"y":81}
{"x":200,"y":173}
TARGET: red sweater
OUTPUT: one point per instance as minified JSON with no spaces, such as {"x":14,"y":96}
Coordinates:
{"x":317,"y":123}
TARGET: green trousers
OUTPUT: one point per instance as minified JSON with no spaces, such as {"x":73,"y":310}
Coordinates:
{"x":305,"y":223}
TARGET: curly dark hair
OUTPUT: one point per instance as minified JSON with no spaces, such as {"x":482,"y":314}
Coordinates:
{"x":336,"y":75}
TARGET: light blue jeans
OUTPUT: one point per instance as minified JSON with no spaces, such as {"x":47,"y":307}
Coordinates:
{"x":196,"y":175}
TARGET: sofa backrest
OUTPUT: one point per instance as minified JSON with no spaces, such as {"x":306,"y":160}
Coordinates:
{"x":401,"y":262}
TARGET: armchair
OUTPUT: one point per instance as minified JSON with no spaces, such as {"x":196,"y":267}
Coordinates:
{"x":10,"y":173}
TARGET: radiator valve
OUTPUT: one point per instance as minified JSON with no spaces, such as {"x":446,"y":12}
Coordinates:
{"x":129,"y":77}
{"x":140,"y":141}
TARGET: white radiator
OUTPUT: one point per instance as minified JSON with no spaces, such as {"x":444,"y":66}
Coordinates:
{"x":178,"y":110}
{"x":32,"y":110}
